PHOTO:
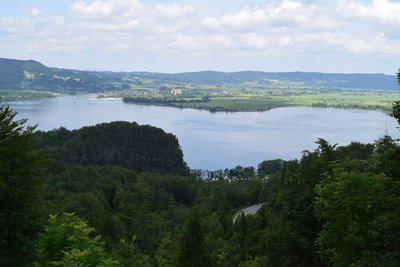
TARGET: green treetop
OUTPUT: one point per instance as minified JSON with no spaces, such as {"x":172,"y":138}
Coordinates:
{"x":68,"y":241}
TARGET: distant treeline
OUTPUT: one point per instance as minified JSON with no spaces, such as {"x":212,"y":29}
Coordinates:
{"x":351,"y":106}
{"x":161,"y":101}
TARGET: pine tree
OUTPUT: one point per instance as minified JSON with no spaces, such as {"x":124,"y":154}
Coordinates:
{"x":396,"y":105}
{"x":193,"y":251}
{"x":20,"y":169}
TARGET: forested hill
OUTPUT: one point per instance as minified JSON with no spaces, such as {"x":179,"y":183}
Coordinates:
{"x":140,"y":148}
{"x":32,"y":75}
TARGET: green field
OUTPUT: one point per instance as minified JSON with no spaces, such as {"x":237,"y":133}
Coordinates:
{"x":255,"y":99}
{"x":20,"y":95}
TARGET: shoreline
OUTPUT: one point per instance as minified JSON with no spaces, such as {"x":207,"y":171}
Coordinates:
{"x":227,"y":110}
{"x":198,"y":106}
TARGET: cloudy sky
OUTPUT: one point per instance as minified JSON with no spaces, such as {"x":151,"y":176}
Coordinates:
{"x":228,"y":35}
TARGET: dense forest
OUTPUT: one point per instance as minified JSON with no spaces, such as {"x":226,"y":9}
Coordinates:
{"x":124,"y":144}
{"x":119,"y":194}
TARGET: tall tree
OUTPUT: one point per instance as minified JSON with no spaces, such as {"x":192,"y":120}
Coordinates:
{"x":396,"y":104}
{"x":193,"y":251}
{"x":20,"y":168}
{"x":396,"y":111}
{"x":356,"y":208}
{"x":68,"y":241}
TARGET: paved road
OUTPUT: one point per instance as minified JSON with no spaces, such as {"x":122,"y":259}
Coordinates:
{"x":250,"y":210}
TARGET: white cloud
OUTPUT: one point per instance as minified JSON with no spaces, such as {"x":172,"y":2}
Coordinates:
{"x":182,"y":41}
{"x":245,"y":19}
{"x":296,"y":14}
{"x":285,"y":41}
{"x":156,"y":33}
{"x":128,"y":15}
{"x":95,"y":9}
{"x":291,"y":14}
{"x":377,"y":44}
{"x":384,"y":11}
{"x":176,"y":27}
{"x":5,"y":22}
{"x":333,"y":42}
{"x":128,"y":9}
{"x":254,"y":41}
{"x":214,"y":42}
{"x":35,"y":11}
{"x":174,"y":11}
{"x":221,"y":41}
{"x":211,"y":23}
{"x":100,"y":9}
{"x":218,"y":42}
{"x":110,"y":26}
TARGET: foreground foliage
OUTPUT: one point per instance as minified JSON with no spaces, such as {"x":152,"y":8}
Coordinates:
{"x":66,"y":241}
{"x":21,"y":169}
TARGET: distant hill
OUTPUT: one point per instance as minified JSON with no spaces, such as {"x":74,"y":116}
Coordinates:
{"x":340,"y":80}
{"x":32,"y":75}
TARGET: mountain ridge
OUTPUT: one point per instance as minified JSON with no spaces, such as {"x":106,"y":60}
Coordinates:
{"x":33,"y":75}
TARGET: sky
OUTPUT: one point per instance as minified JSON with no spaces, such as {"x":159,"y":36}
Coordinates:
{"x":347,"y":36}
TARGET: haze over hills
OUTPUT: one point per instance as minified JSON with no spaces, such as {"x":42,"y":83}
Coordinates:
{"x":33,"y":75}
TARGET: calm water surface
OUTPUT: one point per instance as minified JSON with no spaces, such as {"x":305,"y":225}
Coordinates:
{"x":219,"y":140}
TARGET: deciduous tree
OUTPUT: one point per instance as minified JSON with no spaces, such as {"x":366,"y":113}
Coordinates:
{"x":68,"y":241}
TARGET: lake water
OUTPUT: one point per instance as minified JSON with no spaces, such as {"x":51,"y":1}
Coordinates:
{"x":219,"y":140}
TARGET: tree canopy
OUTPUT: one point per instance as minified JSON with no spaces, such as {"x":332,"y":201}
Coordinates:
{"x":140,"y":148}
{"x":67,"y":241}
{"x":21,"y":167}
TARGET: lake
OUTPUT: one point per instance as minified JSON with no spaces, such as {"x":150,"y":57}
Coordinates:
{"x":219,"y":140}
